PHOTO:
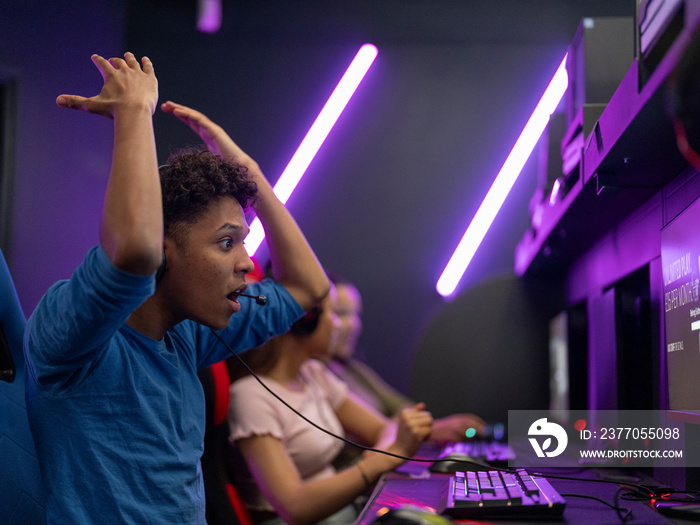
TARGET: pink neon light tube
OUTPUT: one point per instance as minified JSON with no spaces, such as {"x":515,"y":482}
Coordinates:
{"x":503,"y":183}
{"x":316,"y":135}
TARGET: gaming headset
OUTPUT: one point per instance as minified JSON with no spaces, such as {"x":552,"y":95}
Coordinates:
{"x":308,"y":323}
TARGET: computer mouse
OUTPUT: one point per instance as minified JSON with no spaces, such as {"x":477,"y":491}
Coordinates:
{"x":410,"y":515}
{"x":458,"y":462}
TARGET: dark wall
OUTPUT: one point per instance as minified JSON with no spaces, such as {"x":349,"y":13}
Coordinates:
{"x":392,"y":190}
{"x":487,"y":350}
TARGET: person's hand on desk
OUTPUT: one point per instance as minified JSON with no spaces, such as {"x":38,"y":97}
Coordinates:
{"x":412,"y":427}
{"x":455,"y":427}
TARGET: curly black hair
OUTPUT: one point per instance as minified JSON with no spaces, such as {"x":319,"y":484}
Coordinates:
{"x":195,"y":177}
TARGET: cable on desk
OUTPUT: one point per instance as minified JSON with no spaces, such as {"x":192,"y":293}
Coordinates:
{"x":302,"y":416}
{"x":633,"y":492}
{"x":650,"y":492}
{"x":618,"y":510}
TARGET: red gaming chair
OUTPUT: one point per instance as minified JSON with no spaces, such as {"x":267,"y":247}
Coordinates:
{"x":224,"y":505}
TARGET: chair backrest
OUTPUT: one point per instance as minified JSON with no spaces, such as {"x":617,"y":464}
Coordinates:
{"x":22,"y":497}
{"x":224,"y":505}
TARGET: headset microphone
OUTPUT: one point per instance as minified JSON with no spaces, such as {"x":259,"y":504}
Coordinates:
{"x":260,"y":299}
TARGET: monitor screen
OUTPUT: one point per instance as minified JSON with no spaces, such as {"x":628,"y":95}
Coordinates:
{"x":680,"y":258}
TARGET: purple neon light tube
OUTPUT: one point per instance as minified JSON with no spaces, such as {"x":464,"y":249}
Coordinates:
{"x":318,"y":132}
{"x":503,"y":183}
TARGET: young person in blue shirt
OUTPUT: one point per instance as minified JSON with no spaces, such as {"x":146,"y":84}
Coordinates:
{"x":113,"y":397}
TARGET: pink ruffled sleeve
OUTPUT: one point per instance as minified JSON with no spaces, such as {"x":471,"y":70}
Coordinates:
{"x":253,"y":411}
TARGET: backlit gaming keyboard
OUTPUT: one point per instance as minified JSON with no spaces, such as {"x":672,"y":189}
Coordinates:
{"x":495,"y":453}
{"x":498,"y":494}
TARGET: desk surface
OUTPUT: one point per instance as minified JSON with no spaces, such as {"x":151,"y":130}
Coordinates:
{"x":397,"y":489}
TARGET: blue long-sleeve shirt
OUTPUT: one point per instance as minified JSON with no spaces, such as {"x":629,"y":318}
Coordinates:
{"x":118,"y":418}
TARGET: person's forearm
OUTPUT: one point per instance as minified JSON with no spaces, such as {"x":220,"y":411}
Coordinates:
{"x":374,"y":464}
{"x":388,"y":435}
{"x":294,"y":263}
{"x":319,"y":499}
{"x":131,"y":230}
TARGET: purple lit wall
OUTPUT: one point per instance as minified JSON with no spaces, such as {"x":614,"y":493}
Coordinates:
{"x":61,"y":157}
{"x":387,"y":197}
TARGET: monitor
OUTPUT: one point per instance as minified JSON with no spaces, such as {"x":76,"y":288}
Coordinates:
{"x":680,"y":258}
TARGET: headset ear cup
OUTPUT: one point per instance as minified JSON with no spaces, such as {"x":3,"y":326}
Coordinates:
{"x":161,"y":269}
{"x":307,"y":324}
{"x":304,"y":327}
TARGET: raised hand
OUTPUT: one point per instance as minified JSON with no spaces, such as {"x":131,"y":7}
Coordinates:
{"x":454,"y":427}
{"x":126,"y":85}
{"x":213,"y":135}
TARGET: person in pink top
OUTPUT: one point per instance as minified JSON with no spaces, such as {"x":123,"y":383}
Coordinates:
{"x":282,"y":464}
